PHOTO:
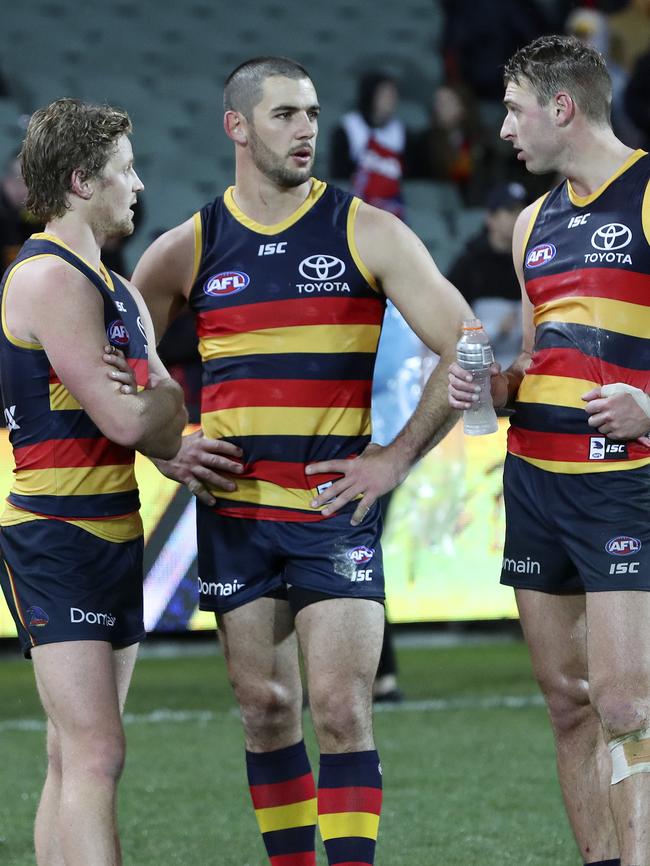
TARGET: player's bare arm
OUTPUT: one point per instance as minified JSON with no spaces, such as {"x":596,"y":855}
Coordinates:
{"x":434,"y":309}
{"x":505,"y":384}
{"x":51,"y":304}
{"x":164,"y":278}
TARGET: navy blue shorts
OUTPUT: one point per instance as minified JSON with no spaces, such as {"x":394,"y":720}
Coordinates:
{"x":242,"y":559}
{"x":62,"y":583}
{"x":575,"y":533}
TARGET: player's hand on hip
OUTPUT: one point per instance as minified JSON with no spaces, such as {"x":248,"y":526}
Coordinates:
{"x":119,"y":370}
{"x":618,"y":416}
{"x":203,"y":464}
{"x":368,"y":476}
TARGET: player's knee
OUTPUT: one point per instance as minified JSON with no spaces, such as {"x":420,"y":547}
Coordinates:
{"x":567,"y":699}
{"x":269,"y":704}
{"x":620,"y":711}
{"x":338,"y":715}
{"x":100,"y":756}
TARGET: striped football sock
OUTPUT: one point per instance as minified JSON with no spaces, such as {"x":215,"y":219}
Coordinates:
{"x":349,"y":805}
{"x":284,"y":798}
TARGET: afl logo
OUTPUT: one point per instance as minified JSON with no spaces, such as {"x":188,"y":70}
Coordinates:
{"x":540,"y":255}
{"x":623,"y":545}
{"x":361,"y":555}
{"x":227,"y":283}
{"x":321,"y":267}
{"x":613,"y":236}
{"x":117,"y":333}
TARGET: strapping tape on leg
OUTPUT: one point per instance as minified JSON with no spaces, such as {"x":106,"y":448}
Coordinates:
{"x":639,"y":396}
{"x":630,"y":755}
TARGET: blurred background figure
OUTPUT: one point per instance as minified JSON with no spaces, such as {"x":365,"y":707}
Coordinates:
{"x":593,"y":28}
{"x":484,"y":274}
{"x":452,"y":146}
{"x":637,"y":99}
{"x":16,"y":224}
{"x":630,"y":33}
{"x":369,"y":143}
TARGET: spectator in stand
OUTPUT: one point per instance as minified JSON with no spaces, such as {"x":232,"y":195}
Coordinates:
{"x":484,"y":273}
{"x":630,"y":32}
{"x":16,"y":224}
{"x":451,"y":147}
{"x":637,"y":99}
{"x":368,"y":145}
{"x":592,"y":28}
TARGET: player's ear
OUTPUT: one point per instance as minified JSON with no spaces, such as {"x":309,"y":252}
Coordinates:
{"x":565,"y":108}
{"x":235,"y":125}
{"x":79,"y":184}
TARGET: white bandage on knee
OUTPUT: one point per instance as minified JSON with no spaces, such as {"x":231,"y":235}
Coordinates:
{"x":639,"y":396}
{"x":630,"y":754}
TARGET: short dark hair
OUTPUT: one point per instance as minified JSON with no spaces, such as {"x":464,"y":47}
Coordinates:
{"x":554,"y":63}
{"x":66,"y":135}
{"x":244,"y":86}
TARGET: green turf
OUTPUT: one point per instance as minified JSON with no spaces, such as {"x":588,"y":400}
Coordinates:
{"x":464,"y":783}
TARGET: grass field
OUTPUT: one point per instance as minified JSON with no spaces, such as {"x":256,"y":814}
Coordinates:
{"x":469,"y":775}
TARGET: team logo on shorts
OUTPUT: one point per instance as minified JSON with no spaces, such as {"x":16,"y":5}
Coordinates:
{"x":226,"y":283}
{"x":117,"y":333}
{"x":361,"y":555}
{"x":36,"y":616}
{"x":540,"y":255}
{"x":623,"y":545}
{"x":600,"y":448}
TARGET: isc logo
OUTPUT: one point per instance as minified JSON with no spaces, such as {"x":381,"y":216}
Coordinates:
{"x":226,"y":283}
{"x":624,"y":568}
{"x":117,"y":333}
{"x":271,"y":249}
{"x":540,"y":255}
{"x":578,"y":220}
{"x":623,"y":545}
{"x":601,"y":449}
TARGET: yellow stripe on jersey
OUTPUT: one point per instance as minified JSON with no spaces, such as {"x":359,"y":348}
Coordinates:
{"x":309,"y":339}
{"x":115,"y":529}
{"x":103,"y":272}
{"x":287,"y":421}
{"x":284,"y":817}
{"x":317,"y":189}
{"x":68,"y":481}
{"x":337,"y":825}
{"x":645,"y":212}
{"x":61,"y":399}
{"x":198,"y":246}
{"x":583,"y":200}
{"x":352,"y":244}
{"x":256,"y":492}
{"x":579,"y":468}
{"x":554,"y":390}
{"x":632,"y":320}
{"x":531,"y":223}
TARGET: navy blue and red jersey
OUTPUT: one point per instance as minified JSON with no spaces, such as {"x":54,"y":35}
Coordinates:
{"x":65,"y":467}
{"x":587,"y":274}
{"x":288,"y":319}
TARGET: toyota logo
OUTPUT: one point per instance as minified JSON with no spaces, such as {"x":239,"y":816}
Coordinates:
{"x":321,"y":267}
{"x":613,"y":236}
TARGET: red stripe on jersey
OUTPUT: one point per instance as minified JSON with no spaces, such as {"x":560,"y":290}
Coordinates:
{"x":140,"y":367}
{"x":591,"y":282}
{"x":303,"y":858}
{"x":352,"y":799}
{"x":287,"y":314}
{"x":283,"y":793}
{"x":577,"y":365}
{"x":286,"y":474}
{"x":72,"y":453}
{"x":354,"y":393}
{"x":252,"y":512}
{"x":565,"y":447}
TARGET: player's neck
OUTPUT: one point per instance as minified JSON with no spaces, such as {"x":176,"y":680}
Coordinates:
{"x":592,"y":161}
{"x":75,"y":233}
{"x":264,"y":201}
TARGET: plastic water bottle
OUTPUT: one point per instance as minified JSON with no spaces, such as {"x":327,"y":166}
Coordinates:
{"x":474,"y":354}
